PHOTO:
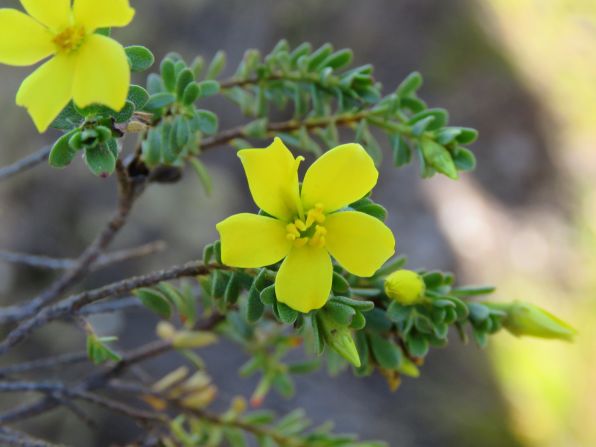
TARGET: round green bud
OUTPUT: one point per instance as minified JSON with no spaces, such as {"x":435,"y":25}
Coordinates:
{"x":405,"y":286}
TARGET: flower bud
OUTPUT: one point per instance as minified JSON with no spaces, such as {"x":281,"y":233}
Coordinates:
{"x":339,"y":338}
{"x":405,"y":286}
{"x":528,"y":319}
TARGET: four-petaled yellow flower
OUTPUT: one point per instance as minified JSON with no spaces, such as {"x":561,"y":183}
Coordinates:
{"x":87,"y":67}
{"x":309,"y":224}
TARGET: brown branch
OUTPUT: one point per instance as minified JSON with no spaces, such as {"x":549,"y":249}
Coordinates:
{"x":128,"y":192}
{"x":14,"y":438}
{"x":226,"y":136}
{"x":28,"y":162}
{"x":45,"y":363}
{"x":102,"y":378}
{"x":72,"y":304}
{"x":48,"y":262}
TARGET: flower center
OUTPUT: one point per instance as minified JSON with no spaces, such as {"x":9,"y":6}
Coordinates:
{"x":69,"y":39}
{"x":310,"y":230}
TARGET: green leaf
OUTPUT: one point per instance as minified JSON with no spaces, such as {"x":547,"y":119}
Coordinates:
{"x":305,"y":367}
{"x":255,"y":307}
{"x":286,"y":313}
{"x":257,"y":128}
{"x":402,"y":154}
{"x":417,"y":345}
{"x":217,"y":65}
{"x":168,"y":75}
{"x":267,"y":295}
{"x":315,"y":60}
{"x":125,"y":113}
{"x":208,"y":88}
{"x":139,"y":58}
{"x":358,"y":321}
{"x":191,"y":94}
{"x":478,"y":312}
{"x":318,"y":336}
{"x":185,"y":77}
{"x":185,"y":304}
{"x":151,"y":148}
{"x":138,"y":96}
{"x":68,"y":118}
{"x":202,"y":174}
{"x":440,"y":117}
{"x":340,"y":313}
{"x":340,"y":285}
{"x":100,"y":160}
{"x":154,"y":301}
{"x":473,"y":290}
{"x":439,"y":158}
{"x":362,"y":306}
{"x":467,"y":135}
{"x":409,"y":85}
{"x":339,"y":59}
{"x":220,"y":283}
{"x":207,"y":121}
{"x":154,"y":84}
{"x":62,"y":154}
{"x":386,"y":353}
{"x":232,"y":289}
{"x":98,"y":352}
{"x":398,"y":313}
{"x":159,"y":101}
{"x":464,"y":159}
{"x":104,"y":31}
{"x":422,"y":125}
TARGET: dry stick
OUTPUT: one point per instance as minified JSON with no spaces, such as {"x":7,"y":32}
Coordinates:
{"x":10,"y":437}
{"x":25,"y":163}
{"x":72,"y":304}
{"x":102,"y":378}
{"x":47,"y":262}
{"x":128,"y":191}
{"x":59,"y":361}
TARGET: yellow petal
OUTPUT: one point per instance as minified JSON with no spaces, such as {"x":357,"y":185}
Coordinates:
{"x":304,"y":279}
{"x":272,"y":175}
{"x":54,"y":14}
{"x":339,"y":177}
{"x":47,"y":90}
{"x":102,"y":74}
{"x":23,"y":41}
{"x":93,"y":14}
{"x":250,"y":240}
{"x":359,"y":242}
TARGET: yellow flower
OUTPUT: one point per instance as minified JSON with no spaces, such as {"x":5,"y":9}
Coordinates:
{"x":309,"y":224}
{"x":87,"y":67}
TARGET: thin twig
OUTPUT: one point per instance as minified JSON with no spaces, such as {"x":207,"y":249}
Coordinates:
{"x":59,"y":361}
{"x":108,"y":259}
{"x":101,"y":378}
{"x":284,"y":126}
{"x":128,"y":192}
{"x":14,"y":438}
{"x":25,"y":163}
{"x":111,"y":306}
{"x":72,"y":304}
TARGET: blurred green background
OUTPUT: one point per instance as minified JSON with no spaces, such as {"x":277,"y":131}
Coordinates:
{"x":521,"y":71}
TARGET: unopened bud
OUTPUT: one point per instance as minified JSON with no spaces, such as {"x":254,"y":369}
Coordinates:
{"x":339,"y":338}
{"x":528,"y":319}
{"x":405,"y":286}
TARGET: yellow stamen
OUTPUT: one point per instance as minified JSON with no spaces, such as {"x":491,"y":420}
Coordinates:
{"x":310,"y":231}
{"x":69,"y":39}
